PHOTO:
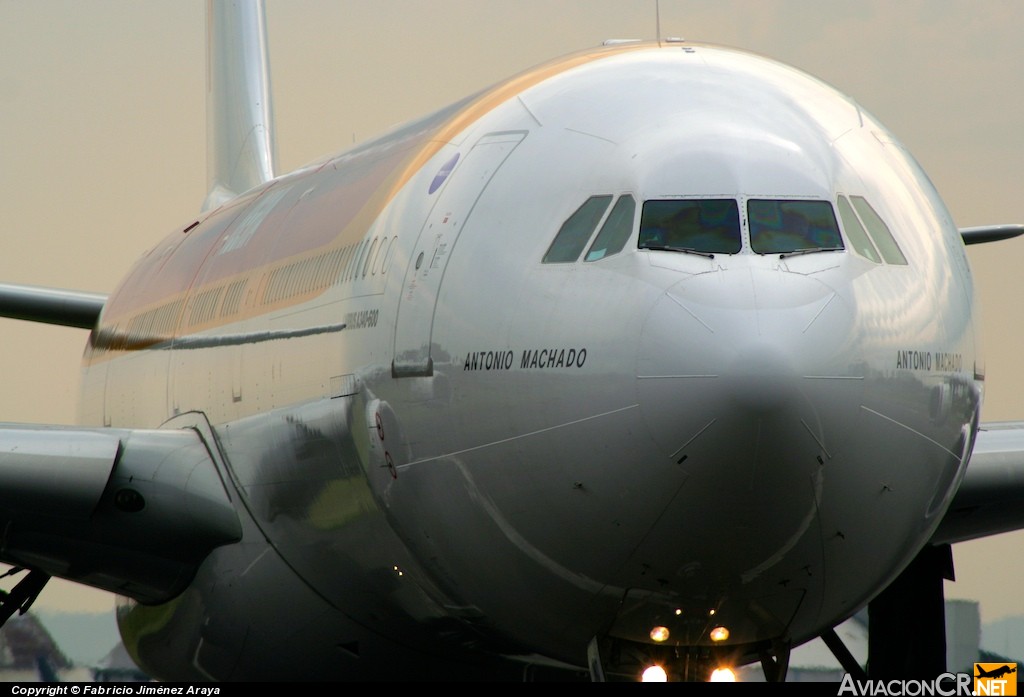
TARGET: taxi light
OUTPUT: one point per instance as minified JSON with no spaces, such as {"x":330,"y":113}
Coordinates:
{"x":723,"y":675}
{"x":659,"y":634}
{"x":719,"y":634}
{"x":654,"y":674}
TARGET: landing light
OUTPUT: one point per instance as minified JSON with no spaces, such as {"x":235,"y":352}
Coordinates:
{"x":719,"y":634}
{"x":659,"y":634}
{"x":654,"y":674}
{"x":723,"y":675}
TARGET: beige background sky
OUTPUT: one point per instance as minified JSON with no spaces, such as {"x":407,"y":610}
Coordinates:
{"x":102,"y":141}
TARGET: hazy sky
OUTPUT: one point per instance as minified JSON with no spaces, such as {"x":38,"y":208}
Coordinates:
{"x":102,"y":141}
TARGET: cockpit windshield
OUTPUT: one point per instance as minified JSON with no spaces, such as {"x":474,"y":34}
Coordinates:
{"x":785,"y":227}
{"x":702,"y":226}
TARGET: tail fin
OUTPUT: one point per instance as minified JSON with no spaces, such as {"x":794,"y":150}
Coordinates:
{"x":240,"y":142}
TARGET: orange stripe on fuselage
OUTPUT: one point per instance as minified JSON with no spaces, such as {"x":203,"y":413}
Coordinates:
{"x":150,"y":308}
{"x":499,"y":94}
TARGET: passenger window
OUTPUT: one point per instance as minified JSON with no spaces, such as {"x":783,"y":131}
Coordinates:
{"x":855,"y":231}
{"x":615,"y":231}
{"x":705,"y":226}
{"x":784,"y":227}
{"x":879,"y":232}
{"x":574,"y":233}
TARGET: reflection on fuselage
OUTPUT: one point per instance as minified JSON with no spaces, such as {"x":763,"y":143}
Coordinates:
{"x":484,"y":383}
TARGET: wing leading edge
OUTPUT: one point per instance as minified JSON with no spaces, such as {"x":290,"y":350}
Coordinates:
{"x":990,"y":499}
{"x":133,"y":512}
{"x":990,"y":233}
{"x":70,"y":308}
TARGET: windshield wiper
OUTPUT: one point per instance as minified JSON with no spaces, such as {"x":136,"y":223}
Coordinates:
{"x":808,"y":250}
{"x":670,"y":248}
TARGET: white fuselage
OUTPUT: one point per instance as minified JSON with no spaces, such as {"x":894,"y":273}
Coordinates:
{"x":498,"y":452}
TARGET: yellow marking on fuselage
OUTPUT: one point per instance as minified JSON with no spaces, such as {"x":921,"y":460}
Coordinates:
{"x":117,"y":333}
{"x":499,"y":94}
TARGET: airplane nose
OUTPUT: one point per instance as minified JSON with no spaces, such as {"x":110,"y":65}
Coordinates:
{"x":746,"y":344}
{"x":760,"y":377}
{"x":747,"y":381}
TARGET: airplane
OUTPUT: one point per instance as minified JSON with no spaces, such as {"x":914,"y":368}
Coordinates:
{"x":434,"y":407}
{"x":995,"y":672}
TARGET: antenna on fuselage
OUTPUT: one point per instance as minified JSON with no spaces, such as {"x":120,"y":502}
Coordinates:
{"x":657,"y":21}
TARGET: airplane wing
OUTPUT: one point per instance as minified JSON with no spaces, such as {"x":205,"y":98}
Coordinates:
{"x":990,"y":233}
{"x":70,"y":308}
{"x":130,"y":511}
{"x":990,"y":499}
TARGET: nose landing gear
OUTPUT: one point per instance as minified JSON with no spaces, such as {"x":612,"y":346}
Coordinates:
{"x":610,"y":659}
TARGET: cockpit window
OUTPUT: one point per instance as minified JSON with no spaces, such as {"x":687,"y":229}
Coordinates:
{"x":855,"y":231}
{"x":705,"y":226}
{"x":615,"y":231}
{"x":784,"y":227}
{"x":574,"y":233}
{"x":879,"y":231}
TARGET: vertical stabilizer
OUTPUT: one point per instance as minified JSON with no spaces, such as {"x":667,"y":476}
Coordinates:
{"x":240,"y":145}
